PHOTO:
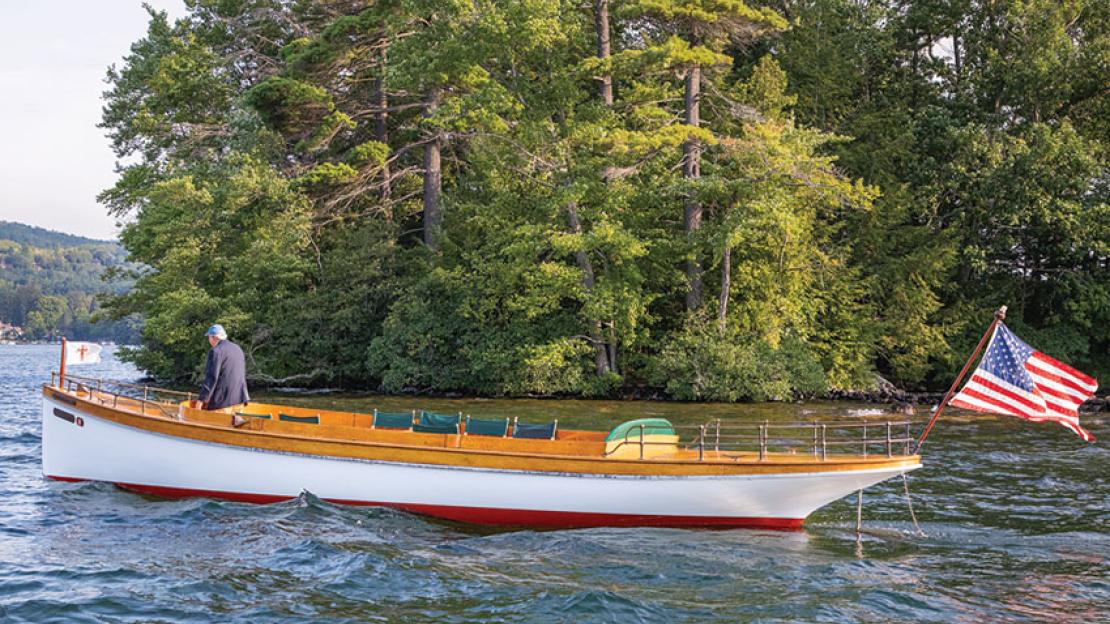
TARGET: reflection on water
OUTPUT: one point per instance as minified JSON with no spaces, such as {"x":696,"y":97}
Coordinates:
{"x":1015,"y":516}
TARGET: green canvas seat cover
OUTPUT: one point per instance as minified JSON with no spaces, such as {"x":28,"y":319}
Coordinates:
{"x":392,"y":420}
{"x":308,"y":420}
{"x":535,"y":432}
{"x":631,"y":429}
{"x":431,"y":422}
{"x":497,"y":427}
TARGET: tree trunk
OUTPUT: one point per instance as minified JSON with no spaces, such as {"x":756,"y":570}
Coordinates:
{"x":433,"y":177}
{"x":957,"y":56}
{"x":913,"y":71}
{"x":604,"y":360}
{"x":691,"y":170}
{"x":726,"y":284}
{"x":613,"y":348}
{"x":381,"y":121}
{"x":601,"y":26}
{"x":601,"y":359}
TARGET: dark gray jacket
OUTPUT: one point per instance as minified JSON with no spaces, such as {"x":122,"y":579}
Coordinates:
{"x":225,"y":377}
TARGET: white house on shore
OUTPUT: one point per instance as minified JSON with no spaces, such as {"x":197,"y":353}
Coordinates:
{"x":10,"y":332}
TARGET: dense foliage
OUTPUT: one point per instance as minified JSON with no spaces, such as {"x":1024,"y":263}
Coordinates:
{"x":50,"y":284}
{"x":718,"y":199}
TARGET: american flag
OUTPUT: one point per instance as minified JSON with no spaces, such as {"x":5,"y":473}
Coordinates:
{"x":1016,"y":379}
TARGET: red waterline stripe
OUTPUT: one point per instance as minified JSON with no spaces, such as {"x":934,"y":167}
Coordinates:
{"x":493,"y":516}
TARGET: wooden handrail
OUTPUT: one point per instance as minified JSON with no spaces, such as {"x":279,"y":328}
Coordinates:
{"x":124,"y":384}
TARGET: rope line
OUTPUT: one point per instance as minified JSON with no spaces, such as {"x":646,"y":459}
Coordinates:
{"x":909,"y":503}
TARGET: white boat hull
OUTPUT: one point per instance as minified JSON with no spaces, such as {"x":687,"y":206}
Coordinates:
{"x":93,"y":448}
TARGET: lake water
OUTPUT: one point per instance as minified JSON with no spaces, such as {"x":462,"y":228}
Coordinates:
{"x":1015,"y":516}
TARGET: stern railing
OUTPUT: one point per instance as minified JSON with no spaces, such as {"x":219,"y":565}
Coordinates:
{"x":729,"y":438}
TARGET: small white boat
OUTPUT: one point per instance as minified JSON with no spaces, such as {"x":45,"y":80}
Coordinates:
{"x":486,"y":471}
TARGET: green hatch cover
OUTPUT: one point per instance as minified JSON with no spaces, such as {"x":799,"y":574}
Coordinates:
{"x":652,"y":426}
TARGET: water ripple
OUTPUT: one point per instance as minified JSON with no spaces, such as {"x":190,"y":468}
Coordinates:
{"x":1015,"y":518}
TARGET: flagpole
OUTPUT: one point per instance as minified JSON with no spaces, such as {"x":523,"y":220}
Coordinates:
{"x":62,"y":368}
{"x":999,"y":316}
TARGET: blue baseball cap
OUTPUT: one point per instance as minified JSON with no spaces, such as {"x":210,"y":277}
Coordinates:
{"x":217,"y":331}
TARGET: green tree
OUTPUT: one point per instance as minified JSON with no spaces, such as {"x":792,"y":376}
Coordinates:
{"x":698,"y":31}
{"x":47,"y":316}
{"x":480,"y":196}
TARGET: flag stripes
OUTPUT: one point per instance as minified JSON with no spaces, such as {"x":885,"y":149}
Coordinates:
{"x":1016,"y":380}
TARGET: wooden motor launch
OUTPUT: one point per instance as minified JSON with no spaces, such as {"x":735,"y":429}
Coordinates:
{"x":645,"y":472}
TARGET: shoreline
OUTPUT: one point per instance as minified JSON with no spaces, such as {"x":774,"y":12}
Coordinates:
{"x":905,"y":402}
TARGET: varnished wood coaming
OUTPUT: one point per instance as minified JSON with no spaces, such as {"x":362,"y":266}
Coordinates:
{"x":348,"y":435}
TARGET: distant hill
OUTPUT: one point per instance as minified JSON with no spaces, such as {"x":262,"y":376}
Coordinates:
{"x":42,"y":237}
{"x":50,"y":284}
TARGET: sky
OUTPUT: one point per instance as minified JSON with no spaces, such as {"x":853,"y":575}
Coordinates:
{"x":53,"y":58}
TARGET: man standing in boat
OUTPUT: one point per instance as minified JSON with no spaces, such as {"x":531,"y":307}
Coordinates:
{"x":225,"y":375}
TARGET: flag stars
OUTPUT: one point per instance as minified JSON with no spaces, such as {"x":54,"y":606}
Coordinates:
{"x":1007,"y":383}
